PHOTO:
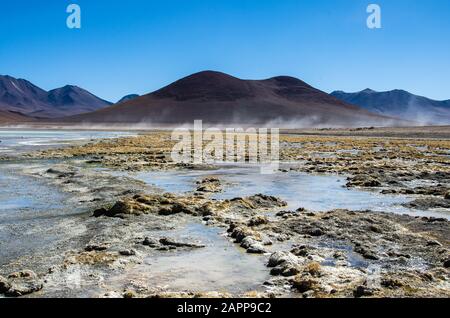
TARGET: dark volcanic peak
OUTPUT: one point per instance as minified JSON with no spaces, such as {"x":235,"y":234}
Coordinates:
{"x":288,"y":81}
{"x":400,"y":103}
{"x":218,"y":98}
{"x":19,"y":95}
{"x":206,"y":85}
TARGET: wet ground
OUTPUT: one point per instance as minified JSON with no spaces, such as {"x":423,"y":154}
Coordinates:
{"x":46,"y":223}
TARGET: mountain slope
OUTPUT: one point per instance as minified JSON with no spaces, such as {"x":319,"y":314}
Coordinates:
{"x":13,"y":117}
{"x":127,"y":98}
{"x":218,"y":98}
{"x":401,"y":104}
{"x":19,"y":95}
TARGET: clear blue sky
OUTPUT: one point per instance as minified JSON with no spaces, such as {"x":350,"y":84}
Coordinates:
{"x":137,"y":46}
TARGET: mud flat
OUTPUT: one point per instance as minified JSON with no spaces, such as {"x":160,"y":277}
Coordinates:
{"x":345,"y":217}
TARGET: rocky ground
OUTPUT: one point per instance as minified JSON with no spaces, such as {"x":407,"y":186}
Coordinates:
{"x":337,"y":253}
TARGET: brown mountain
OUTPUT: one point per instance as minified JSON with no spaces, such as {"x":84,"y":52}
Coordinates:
{"x":218,"y":98}
{"x":19,"y":95}
{"x":7,"y":117}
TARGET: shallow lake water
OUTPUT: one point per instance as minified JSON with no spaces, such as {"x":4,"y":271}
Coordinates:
{"x":29,"y":212}
{"x":30,"y":209}
{"x":12,"y":141}
{"x":219,"y":266}
{"x":313,"y":192}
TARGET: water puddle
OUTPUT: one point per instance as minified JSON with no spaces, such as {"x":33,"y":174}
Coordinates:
{"x":219,"y":266}
{"x":313,"y":192}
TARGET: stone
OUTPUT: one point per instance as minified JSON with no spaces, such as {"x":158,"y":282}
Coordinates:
{"x":258,"y":220}
{"x":4,"y":285}
{"x":169,"y":242}
{"x":366,"y":253}
{"x":313,"y":269}
{"x":96,"y":247}
{"x":447,"y":263}
{"x":278,"y":258}
{"x":100,"y":212}
{"x":150,"y":242}
{"x":127,"y":252}
{"x":121,"y":207}
{"x":315,"y":232}
{"x":129,"y":294}
{"x":23,"y":283}
{"x":433,"y":243}
{"x":363,"y":291}
{"x":304,"y":284}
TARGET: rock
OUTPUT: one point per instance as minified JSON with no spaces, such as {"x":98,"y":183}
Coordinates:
{"x":256,"y":249}
{"x":239,"y":233}
{"x":433,"y":243}
{"x":366,"y":253}
{"x":363,"y":181}
{"x":174,"y":209}
{"x":304,"y":284}
{"x":313,"y":269}
{"x":391,"y":283}
{"x":447,"y":196}
{"x":289,"y":270}
{"x":258,"y":201}
{"x":300,"y":251}
{"x":122,"y":207}
{"x":4,"y":285}
{"x":375,"y":229}
{"x":96,"y":247}
{"x":278,"y":258}
{"x":209,"y":184}
{"x":266,"y":201}
{"x":286,"y":214}
{"x":23,"y":283}
{"x":150,"y":242}
{"x":447,"y":263}
{"x":169,"y":242}
{"x":314,"y":232}
{"x":129,"y":294}
{"x":258,"y":220}
{"x":363,"y":291}
{"x":127,"y":252}
{"x":253,"y":246}
{"x":100,"y":212}
{"x":428,"y":203}
{"x":206,"y":209}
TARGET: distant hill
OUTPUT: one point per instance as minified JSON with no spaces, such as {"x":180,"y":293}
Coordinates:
{"x":19,"y":95}
{"x":12,"y":117}
{"x":127,"y":98}
{"x":400,"y":104}
{"x":218,"y":98}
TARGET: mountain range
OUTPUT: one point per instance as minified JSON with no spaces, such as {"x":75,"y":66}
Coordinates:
{"x":218,"y":98}
{"x":22,"y":97}
{"x":400,"y":104}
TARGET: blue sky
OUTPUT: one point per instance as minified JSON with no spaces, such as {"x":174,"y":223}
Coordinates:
{"x":137,"y":46}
